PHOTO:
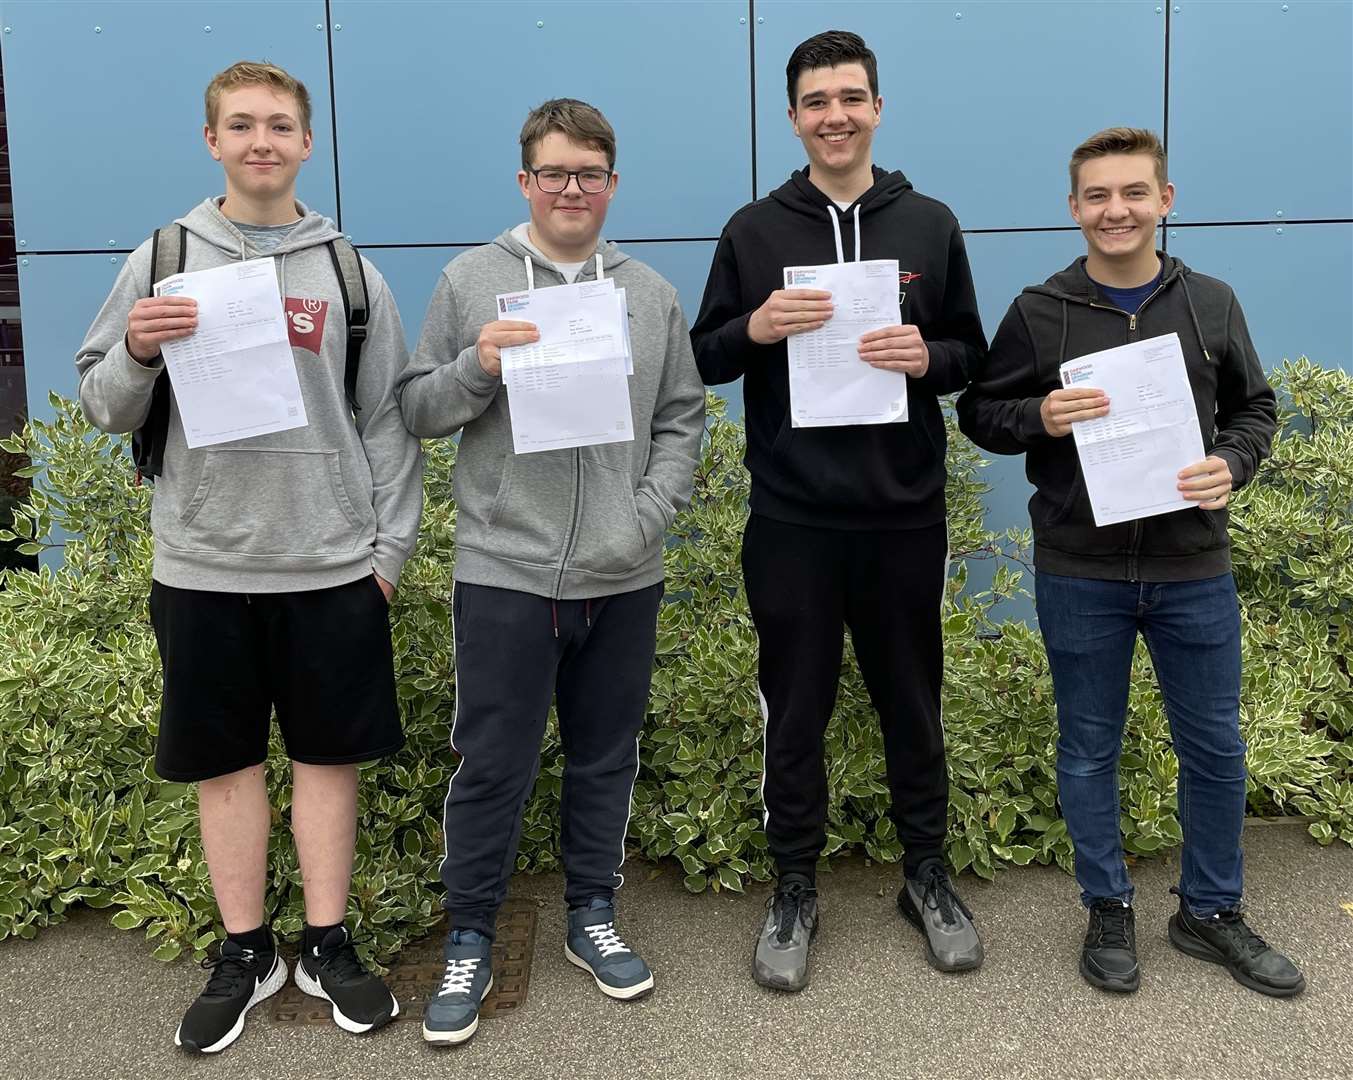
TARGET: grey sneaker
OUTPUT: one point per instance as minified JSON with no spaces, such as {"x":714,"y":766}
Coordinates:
{"x":781,"y":960}
{"x":452,"y":1013}
{"x":930,"y":904}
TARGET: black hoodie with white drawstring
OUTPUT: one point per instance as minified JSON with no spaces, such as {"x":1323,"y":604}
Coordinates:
{"x":873,"y":476}
{"x":1067,"y":317}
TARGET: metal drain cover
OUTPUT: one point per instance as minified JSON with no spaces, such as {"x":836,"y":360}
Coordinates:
{"x":418,"y":969}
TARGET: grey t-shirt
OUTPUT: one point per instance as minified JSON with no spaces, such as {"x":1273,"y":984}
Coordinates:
{"x":265,"y":238}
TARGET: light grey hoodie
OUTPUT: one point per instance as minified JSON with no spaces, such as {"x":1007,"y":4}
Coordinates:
{"x":291,"y":511}
{"x":567,"y":524}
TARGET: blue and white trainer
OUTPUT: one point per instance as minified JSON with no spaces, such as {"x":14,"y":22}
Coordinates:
{"x":452,"y":1013}
{"x":593,"y":945}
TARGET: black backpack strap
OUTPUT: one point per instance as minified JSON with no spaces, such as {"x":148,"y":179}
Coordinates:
{"x":352,"y":284}
{"x":168,"y":253}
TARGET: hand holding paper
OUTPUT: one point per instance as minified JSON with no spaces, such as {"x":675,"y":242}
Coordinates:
{"x":153,"y":320}
{"x":1207,"y":483}
{"x":499,"y":335}
{"x":1133,"y":455}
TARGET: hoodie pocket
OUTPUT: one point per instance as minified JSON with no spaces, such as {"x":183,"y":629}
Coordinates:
{"x":272,"y":502}
{"x":610,"y":540}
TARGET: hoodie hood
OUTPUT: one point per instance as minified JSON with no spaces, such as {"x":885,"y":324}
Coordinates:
{"x":1075,"y":285}
{"x":799,"y":195}
{"x":611,"y":256}
{"x":206,"y":221}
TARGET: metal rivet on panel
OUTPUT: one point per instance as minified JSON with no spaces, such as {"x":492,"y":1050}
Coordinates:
{"x":23,"y":243}
{"x":1280,"y":213}
{"x":742,"y":21}
{"x":112,"y":243}
{"x":338,"y":26}
{"x":1159,"y":10}
{"x":1284,"y":7}
{"x":1279,"y":232}
{"x":958,"y":14}
{"x":319,"y":26}
{"x":540,"y":24}
{"x":348,"y":238}
{"x":1174,"y":232}
{"x":113,"y":260}
{"x":23,"y":262}
{"x":1174,"y":213}
{"x":1176,"y":9}
{"x":760,"y":20}
{"x":206,"y":29}
{"x":8,"y":30}
{"x":98,"y":29}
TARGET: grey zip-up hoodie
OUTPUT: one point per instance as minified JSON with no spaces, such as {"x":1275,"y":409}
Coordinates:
{"x":290,"y":511}
{"x":567,"y":524}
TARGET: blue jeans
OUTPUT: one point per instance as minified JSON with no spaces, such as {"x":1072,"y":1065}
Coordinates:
{"x":1192,"y":629}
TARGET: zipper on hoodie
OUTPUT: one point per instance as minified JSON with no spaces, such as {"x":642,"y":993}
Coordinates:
{"x":1135,"y":537}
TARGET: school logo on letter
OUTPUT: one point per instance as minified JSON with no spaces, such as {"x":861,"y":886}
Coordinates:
{"x":305,"y":322}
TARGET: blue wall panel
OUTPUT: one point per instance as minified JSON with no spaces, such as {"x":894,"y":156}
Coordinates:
{"x":1261,"y":110}
{"x":105,"y":128}
{"x":61,"y":296}
{"x":432,"y":155}
{"x":1296,"y":286}
{"x":981,"y":111}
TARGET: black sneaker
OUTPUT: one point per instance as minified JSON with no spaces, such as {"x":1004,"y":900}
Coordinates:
{"x":930,"y":904}
{"x":332,"y":971}
{"x":1225,"y":939}
{"x":781,"y":958}
{"x":1109,"y":958}
{"x":240,"y":979}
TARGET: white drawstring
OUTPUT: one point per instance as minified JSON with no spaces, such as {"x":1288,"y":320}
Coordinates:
{"x":836,"y":234}
{"x":601,"y":276}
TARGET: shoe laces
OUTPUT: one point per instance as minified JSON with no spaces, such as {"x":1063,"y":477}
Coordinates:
{"x":938,"y":895}
{"x":341,"y":961}
{"x":790,"y":899}
{"x":228,"y":971}
{"x":459,"y":975}
{"x":1113,"y":924}
{"x":1243,"y":939}
{"x":605,"y":938}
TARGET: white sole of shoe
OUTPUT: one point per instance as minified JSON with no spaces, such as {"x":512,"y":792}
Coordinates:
{"x":620,"y":993}
{"x":312,"y":987}
{"x":454,"y":1038}
{"x":277,"y":978}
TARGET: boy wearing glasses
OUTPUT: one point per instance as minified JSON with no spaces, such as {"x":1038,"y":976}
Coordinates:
{"x":559,"y":567}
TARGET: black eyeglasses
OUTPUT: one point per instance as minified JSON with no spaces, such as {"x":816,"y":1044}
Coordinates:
{"x":590,"y":181}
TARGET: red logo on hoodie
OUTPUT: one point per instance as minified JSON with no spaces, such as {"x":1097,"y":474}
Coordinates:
{"x":305,"y":322}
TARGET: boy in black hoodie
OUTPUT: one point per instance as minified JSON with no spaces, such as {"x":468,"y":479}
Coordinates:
{"x":847,"y":524}
{"x":1167,"y":577}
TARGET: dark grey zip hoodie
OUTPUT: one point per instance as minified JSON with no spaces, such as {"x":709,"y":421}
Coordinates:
{"x":567,"y":524}
{"x":1067,"y":317}
{"x":310,"y":508}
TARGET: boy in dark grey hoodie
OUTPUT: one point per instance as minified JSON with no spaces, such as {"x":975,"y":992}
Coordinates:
{"x":275,"y":558}
{"x":558,"y":563}
{"x":1166,"y":577}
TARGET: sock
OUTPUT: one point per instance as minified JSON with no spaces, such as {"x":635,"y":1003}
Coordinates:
{"x":313,"y":936}
{"x":258,"y":940}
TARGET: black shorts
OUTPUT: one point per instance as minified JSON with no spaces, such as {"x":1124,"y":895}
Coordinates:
{"x":323,"y":659}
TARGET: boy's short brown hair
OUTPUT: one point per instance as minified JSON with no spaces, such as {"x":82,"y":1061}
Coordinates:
{"x":1118,"y":140}
{"x":578,"y":121}
{"x":249,"y":73}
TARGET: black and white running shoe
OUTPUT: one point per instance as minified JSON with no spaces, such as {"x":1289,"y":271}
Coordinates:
{"x":240,"y":979}
{"x":332,"y":971}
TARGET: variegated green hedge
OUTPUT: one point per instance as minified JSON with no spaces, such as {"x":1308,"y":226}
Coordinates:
{"x":83,"y":820}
